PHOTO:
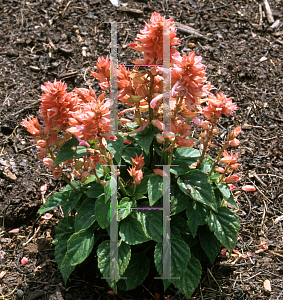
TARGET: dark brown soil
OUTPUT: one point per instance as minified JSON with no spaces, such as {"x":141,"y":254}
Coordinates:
{"x":43,"y":40}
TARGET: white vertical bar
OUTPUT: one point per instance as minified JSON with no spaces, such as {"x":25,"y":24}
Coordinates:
{"x":114,"y":267}
{"x":113,"y":74}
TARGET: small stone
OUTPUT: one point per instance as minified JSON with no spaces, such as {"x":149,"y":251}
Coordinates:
{"x":191,"y":45}
{"x":20,"y":293}
{"x":267,"y":285}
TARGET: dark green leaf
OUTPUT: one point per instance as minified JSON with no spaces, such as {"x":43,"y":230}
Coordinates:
{"x":131,"y":231}
{"x":225,"y":225}
{"x":66,"y":152}
{"x":72,"y":200}
{"x":79,"y":246}
{"x":179,"y":167}
{"x":95,"y":190}
{"x":187,"y":154}
{"x":103,"y":254}
{"x":63,"y":231}
{"x":155,"y":188}
{"x":117,"y":148}
{"x":152,"y":223}
{"x":52,"y":202}
{"x":197,"y":185}
{"x":179,"y":200}
{"x":180,"y":257}
{"x":136,"y":272}
{"x":142,"y":188}
{"x":207,"y":164}
{"x":102,"y":211}
{"x":197,"y":214}
{"x":227,"y":195}
{"x":209,"y":243}
{"x":85,"y":215}
{"x":124,"y":208}
{"x":189,"y":281}
{"x":144,"y":139}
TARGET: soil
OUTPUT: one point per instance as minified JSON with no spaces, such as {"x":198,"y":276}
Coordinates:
{"x":43,"y":40}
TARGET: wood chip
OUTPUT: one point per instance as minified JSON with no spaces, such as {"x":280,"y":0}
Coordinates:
{"x":132,"y":10}
{"x":34,"y":68}
{"x":9,"y":175}
{"x":187,"y":29}
{"x":2,"y":274}
{"x":278,"y":33}
{"x":267,"y":285}
{"x":268,"y":12}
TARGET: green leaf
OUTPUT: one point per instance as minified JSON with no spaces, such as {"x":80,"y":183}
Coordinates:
{"x":130,"y":152}
{"x":117,"y":148}
{"x":227,"y":195}
{"x":102,"y":211}
{"x":142,"y":187}
{"x":107,"y":190}
{"x":103,"y":254}
{"x":79,"y":246}
{"x":209,"y":243}
{"x":72,"y":200}
{"x":197,"y":185}
{"x":197,"y":214}
{"x":131,"y":231}
{"x":179,"y":200}
{"x":136,"y":272}
{"x":144,"y":139}
{"x":66,"y":152}
{"x":124,"y":208}
{"x":225,"y":225}
{"x":85,"y":216}
{"x":180,"y":257}
{"x":188,"y":154}
{"x":155,"y":188}
{"x":95,"y":190}
{"x":61,"y":198}
{"x":189,"y":281}
{"x":52,"y":202}
{"x":63,"y":231}
{"x":180,"y":167}
{"x":152,"y":223}
{"x":207,"y":164}
{"x":139,"y":196}
{"x":131,"y":125}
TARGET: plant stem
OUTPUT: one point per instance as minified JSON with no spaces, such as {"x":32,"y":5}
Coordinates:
{"x":70,"y":184}
{"x":171,"y":153}
{"x":209,"y":136}
{"x":138,"y":114}
{"x":218,"y":158}
{"x":165,"y":146}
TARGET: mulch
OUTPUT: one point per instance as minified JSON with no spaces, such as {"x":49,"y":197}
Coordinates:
{"x":243,"y":52}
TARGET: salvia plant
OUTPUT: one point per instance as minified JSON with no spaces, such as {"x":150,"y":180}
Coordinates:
{"x":145,"y":161}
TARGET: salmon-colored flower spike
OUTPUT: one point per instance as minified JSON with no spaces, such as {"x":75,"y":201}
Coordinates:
{"x":92,"y":120}
{"x":151,"y":39}
{"x":218,"y":105}
{"x":32,"y":125}
{"x":136,"y":174}
{"x":138,"y":162}
{"x":229,"y":159}
{"x":190,"y":73}
{"x":103,"y":67}
{"x":56,"y":104}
